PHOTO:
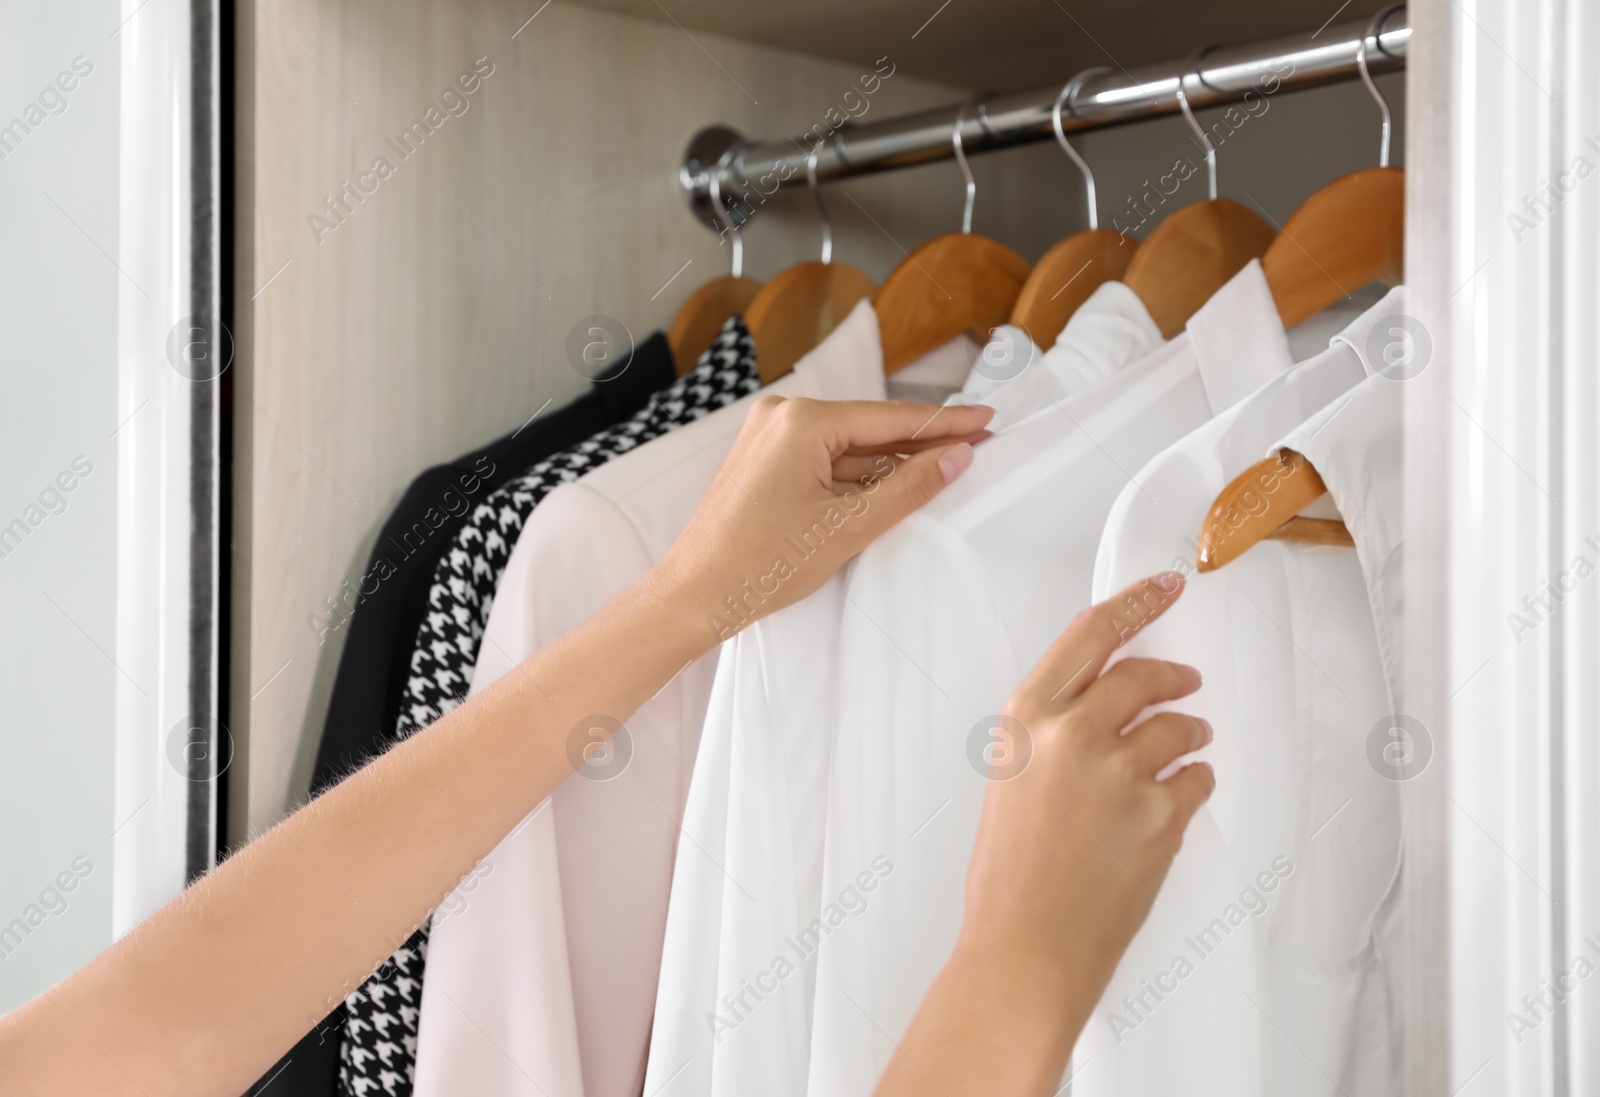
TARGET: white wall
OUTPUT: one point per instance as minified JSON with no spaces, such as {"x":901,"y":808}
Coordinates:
{"x":58,"y":388}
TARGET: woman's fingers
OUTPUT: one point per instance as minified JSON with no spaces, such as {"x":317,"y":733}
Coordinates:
{"x":863,"y":426}
{"x":858,"y":472}
{"x":1078,"y":655}
{"x":1164,"y":738}
{"x":1133,"y":685}
{"x":1190,"y":788}
{"x":916,"y":479}
{"x":917,"y":445}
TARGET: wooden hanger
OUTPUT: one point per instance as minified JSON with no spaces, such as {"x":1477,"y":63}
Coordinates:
{"x":1064,"y":278}
{"x":703,"y":315}
{"x":959,"y":282}
{"x":1346,"y":236}
{"x":798,"y":308}
{"x":1349,"y":234}
{"x":1193,"y":253}
{"x":1265,"y":501}
{"x":1190,"y":256}
{"x":708,"y":308}
{"x":1075,"y":267}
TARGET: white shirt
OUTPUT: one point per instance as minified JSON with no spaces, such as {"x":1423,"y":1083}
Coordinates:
{"x":733,"y":1012}
{"x":945,"y":615}
{"x":541,"y":973}
{"x":1109,"y":330}
{"x":1261,"y":969}
{"x":935,"y":375}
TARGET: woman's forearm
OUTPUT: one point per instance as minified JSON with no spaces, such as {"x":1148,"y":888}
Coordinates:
{"x":325,"y":897}
{"x":992,"y":1022}
{"x":212,"y":989}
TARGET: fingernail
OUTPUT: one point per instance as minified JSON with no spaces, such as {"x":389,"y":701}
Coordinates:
{"x":1198,"y":679}
{"x":1167,"y":581}
{"x":1205,"y":728}
{"x":954,"y":461}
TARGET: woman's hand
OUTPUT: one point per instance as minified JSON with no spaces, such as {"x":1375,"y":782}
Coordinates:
{"x":1071,"y":852}
{"x":809,"y":484}
{"x":1069,"y":856}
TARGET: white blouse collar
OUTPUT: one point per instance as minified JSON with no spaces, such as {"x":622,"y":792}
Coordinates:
{"x":1238,"y":339}
{"x":1356,"y":445}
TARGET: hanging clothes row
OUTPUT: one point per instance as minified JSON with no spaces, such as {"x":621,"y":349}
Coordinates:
{"x":749,"y":886}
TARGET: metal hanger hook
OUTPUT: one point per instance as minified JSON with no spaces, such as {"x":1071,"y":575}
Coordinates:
{"x":816,"y":193}
{"x":1374,"y":29}
{"x":966,"y":169}
{"x":1068,"y":94}
{"x":1193,"y":69}
{"x":723,"y":213}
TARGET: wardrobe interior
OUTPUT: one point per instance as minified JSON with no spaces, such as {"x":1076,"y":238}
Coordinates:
{"x":390,"y":318}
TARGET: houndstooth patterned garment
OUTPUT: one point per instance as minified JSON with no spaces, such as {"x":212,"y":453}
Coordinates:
{"x":378,"y":1050}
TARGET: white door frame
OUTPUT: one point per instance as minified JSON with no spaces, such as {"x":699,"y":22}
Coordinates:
{"x":1503,"y":622}
{"x":171,"y":745}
